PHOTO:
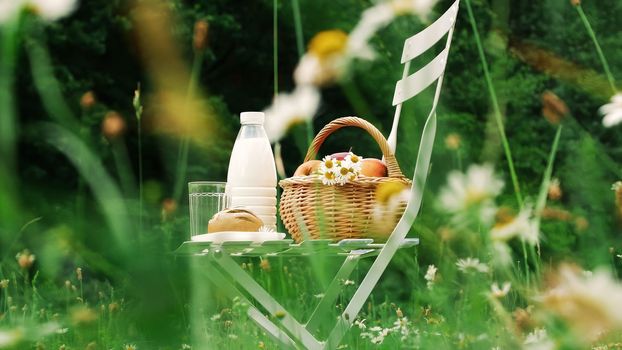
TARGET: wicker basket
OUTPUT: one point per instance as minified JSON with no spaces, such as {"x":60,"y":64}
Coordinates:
{"x":311,"y":210}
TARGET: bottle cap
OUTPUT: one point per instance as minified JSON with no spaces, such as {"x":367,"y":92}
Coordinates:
{"x":252,"y":117}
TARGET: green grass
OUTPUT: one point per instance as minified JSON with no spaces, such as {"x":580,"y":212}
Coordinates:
{"x":68,"y":195}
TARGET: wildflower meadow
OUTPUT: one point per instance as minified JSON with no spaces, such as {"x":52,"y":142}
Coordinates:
{"x":109,"y":108}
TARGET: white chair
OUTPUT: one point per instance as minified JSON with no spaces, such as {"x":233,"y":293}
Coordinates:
{"x":225,"y":272}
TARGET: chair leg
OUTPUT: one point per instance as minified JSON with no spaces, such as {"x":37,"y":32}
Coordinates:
{"x":332,"y":292}
{"x":262,"y":321}
{"x":273,"y":330}
{"x":232,"y":269}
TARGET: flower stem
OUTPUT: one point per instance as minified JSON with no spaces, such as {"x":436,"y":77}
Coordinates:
{"x":592,"y":35}
{"x":301,"y":52}
{"x":495,"y":105}
{"x":184,"y":144}
{"x":298,"y":28}
{"x":8,"y":60}
{"x":275,"y":45}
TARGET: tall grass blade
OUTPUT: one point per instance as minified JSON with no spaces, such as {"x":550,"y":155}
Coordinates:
{"x":106,"y":192}
{"x":495,"y":105}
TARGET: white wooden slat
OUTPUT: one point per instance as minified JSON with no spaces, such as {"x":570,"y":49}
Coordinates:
{"x":422,"y":41}
{"x":415,"y":83}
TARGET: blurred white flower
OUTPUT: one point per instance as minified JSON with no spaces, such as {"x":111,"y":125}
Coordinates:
{"x":590,"y":304}
{"x":9,"y":338}
{"x":538,"y":339}
{"x":379,"y":16}
{"x":612,"y":111}
{"x":475,"y":189}
{"x":497,"y":292}
{"x":49,"y":10}
{"x":502,"y":255}
{"x":521,"y":226}
{"x":372,"y":20}
{"x":266,"y":229}
{"x":430,"y":275}
{"x":360,"y":324}
{"x":348,"y":282}
{"x":471,"y":264}
{"x":325,"y":59}
{"x":401,"y":325}
{"x":289,"y":109}
{"x":311,"y":70}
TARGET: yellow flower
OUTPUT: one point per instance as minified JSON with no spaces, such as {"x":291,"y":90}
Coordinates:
{"x":452,"y":141}
{"x":25,"y":259}
{"x":328,"y":176}
{"x":387,"y":190}
{"x":328,"y":43}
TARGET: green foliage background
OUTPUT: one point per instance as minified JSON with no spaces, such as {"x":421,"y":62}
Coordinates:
{"x":95,"y":50}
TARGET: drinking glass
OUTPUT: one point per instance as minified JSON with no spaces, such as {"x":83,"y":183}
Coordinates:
{"x":206,"y":199}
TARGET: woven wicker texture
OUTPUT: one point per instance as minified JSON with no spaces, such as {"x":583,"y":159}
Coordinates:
{"x":311,"y":210}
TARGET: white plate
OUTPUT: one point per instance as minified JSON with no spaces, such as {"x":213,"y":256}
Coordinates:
{"x":257,"y":237}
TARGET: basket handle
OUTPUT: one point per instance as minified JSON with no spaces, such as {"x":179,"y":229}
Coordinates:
{"x":393,"y":167}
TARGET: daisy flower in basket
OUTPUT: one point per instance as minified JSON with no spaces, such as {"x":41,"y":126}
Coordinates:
{"x":340,"y":171}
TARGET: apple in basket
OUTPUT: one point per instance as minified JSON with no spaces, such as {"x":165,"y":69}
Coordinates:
{"x":371,"y":167}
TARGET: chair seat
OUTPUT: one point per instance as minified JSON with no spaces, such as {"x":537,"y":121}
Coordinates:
{"x":287,"y":248}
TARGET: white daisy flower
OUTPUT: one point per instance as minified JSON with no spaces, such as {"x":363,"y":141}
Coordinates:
{"x":329,"y":177}
{"x":475,"y":189}
{"x":372,"y":20}
{"x":471,"y":264}
{"x":502,"y":255}
{"x":430,"y":275}
{"x":49,"y":10}
{"x":290,"y":109}
{"x":538,"y":339}
{"x":522,"y":226}
{"x":497,"y":292}
{"x":612,"y":111}
{"x":379,"y":16}
{"x":266,"y":229}
{"x":9,"y":338}
{"x":344,"y":175}
{"x":589,"y":303}
{"x":313,"y":70}
{"x":353,"y":162}
{"x":329,"y":163}
{"x":360,"y":324}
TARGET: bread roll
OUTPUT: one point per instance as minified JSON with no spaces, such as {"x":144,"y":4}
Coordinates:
{"x":234,"y":219}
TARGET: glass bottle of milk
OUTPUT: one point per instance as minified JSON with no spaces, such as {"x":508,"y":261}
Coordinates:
{"x":251,"y":178}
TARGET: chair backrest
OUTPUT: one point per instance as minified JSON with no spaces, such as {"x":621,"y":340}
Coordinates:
{"x":411,"y":85}
{"x":408,"y":87}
